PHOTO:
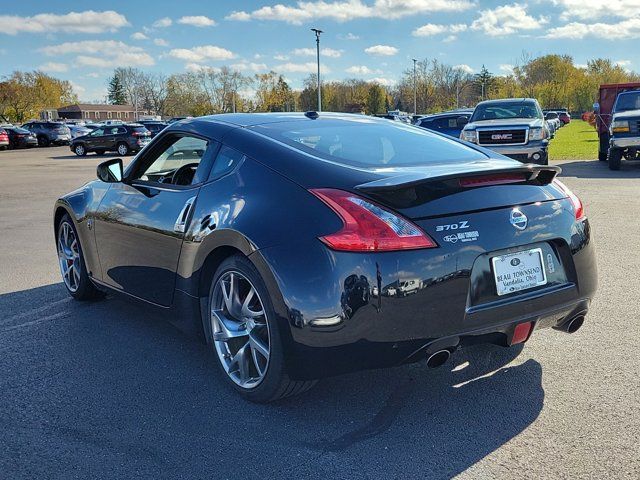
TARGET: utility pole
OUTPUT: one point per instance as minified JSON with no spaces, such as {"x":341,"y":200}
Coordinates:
{"x":318,"y":32}
{"x":415,"y":89}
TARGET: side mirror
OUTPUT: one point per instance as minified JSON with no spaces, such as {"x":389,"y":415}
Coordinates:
{"x":596,"y":107}
{"x":462,"y":121}
{"x":110,"y":171}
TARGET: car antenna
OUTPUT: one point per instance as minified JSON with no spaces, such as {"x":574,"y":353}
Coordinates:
{"x":311,"y":114}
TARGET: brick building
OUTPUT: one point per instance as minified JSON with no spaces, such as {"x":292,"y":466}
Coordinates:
{"x":97,"y":112}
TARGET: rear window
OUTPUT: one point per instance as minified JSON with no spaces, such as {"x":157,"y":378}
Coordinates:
{"x":366,"y":142}
{"x":140,"y":130}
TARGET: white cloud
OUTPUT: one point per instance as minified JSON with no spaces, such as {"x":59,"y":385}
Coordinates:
{"x":435,"y":29}
{"x":197,"y":21}
{"x":88,"y":21}
{"x":201,"y":54}
{"x":346,"y":10}
{"x":362,"y":70}
{"x":162,"y":23}
{"x":54,"y":67}
{"x":281,"y":58}
{"x":249,"y":66}
{"x":449,"y":38}
{"x":506,"y":20}
{"x":139,"y":36}
{"x":387,"y":82}
{"x":160,"y":42}
{"x":311,"y":52}
{"x":506,"y":68}
{"x":625,"y":29}
{"x":102,"y":53}
{"x":381,"y":50}
{"x":348,"y":36}
{"x":464,"y":67}
{"x":307,"y":67}
{"x":238,"y":16}
{"x":593,"y":9}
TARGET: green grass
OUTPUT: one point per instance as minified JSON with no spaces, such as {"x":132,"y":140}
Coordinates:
{"x":576,"y":141}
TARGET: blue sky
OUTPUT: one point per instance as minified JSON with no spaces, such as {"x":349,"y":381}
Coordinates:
{"x":370,"y":39}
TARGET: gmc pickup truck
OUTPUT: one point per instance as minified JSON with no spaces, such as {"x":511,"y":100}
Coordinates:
{"x":514,"y":127}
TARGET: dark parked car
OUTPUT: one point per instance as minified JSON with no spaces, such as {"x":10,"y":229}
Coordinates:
{"x":449,"y":123}
{"x":20,"y":138}
{"x":264,"y":234}
{"x":124,"y":139}
{"x":154,"y":127}
{"x":49,"y":133}
{"x":4,"y":139}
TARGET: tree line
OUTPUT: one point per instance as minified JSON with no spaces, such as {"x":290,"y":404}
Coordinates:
{"x":555,"y":80}
{"x":434,"y":86}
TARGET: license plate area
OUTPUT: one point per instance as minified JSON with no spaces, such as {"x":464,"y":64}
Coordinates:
{"x":518,"y":271}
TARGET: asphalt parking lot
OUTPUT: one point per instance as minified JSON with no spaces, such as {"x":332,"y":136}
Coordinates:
{"x":108,"y":390}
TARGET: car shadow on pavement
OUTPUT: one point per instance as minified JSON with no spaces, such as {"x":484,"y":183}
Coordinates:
{"x":597,"y":169}
{"x":108,"y":389}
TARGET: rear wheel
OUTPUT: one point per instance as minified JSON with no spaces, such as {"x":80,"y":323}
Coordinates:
{"x":72,"y":266}
{"x":122,"y":149}
{"x":615,"y":158}
{"x":43,"y":141}
{"x":80,"y":150}
{"x":243,"y":331}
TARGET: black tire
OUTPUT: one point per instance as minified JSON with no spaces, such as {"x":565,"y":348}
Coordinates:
{"x":86,"y":290}
{"x":43,"y":141}
{"x":615,"y":158}
{"x":80,"y":150}
{"x":276,"y":383}
{"x":603,"y":147}
{"x":123,"y":149}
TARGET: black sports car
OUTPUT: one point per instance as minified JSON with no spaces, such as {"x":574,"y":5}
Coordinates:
{"x":306,"y":245}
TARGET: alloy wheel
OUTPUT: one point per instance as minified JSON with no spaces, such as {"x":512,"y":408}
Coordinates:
{"x":240,"y":330}
{"x":122,"y":149}
{"x":69,"y":256}
{"x":79,"y":150}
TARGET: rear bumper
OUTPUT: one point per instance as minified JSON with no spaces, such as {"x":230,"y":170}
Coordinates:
{"x":341,"y":318}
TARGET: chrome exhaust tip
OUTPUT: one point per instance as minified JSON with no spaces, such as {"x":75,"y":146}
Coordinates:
{"x":574,"y":324}
{"x":438,"y":358}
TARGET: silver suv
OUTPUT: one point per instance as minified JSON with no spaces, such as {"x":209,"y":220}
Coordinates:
{"x":514,"y":127}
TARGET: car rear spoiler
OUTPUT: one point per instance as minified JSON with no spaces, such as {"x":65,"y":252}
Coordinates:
{"x":465,"y":175}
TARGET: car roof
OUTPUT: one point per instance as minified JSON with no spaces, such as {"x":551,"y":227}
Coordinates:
{"x":254,"y":119}
{"x":507,"y":100}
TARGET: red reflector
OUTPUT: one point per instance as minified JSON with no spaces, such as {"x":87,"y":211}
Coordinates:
{"x":498,"y":179}
{"x":521,"y":333}
{"x":369,"y":227}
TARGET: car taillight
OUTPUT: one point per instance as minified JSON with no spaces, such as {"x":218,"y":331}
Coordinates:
{"x":488,"y":180}
{"x":368,"y":226}
{"x":578,"y":208}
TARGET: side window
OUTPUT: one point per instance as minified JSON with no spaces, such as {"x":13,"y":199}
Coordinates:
{"x":426,"y":124}
{"x":453,"y":122}
{"x":175,"y":161}
{"x":226,"y":161}
{"x":120,"y":130}
{"x":98,"y":132}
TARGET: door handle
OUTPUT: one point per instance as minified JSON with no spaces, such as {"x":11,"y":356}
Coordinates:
{"x":181,"y":223}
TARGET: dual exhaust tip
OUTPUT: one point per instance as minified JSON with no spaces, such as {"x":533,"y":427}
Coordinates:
{"x":440,"y":357}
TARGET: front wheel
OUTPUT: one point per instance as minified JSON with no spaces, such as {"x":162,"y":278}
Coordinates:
{"x":244,"y":333}
{"x":80,"y":150}
{"x":43,"y":141}
{"x":615,"y":159}
{"x":72,"y":266}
